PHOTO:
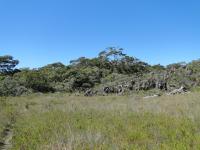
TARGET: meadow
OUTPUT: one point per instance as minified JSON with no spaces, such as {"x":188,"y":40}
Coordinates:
{"x":67,"y":122}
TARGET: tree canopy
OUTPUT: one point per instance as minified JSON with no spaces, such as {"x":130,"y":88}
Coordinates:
{"x":111,"y":67}
{"x":7,"y":64}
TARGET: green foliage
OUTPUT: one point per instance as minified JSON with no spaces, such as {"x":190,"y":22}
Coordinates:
{"x":84,"y":78}
{"x":113,"y":59}
{"x":11,"y":87}
{"x":35,"y":80}
{"x":38,"y":82}
{"x":111,"y":65}
{"x":194,"y":66}
{"x":176,"y":66}
{"x":158,"y":67}
{"x":54,"y":72}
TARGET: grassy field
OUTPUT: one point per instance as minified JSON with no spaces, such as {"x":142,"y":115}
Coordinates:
{"x":62,"y":122}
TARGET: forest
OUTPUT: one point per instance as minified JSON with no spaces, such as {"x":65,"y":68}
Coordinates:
{"x":110,"y":72}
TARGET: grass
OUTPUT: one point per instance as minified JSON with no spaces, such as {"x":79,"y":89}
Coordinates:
{"x":7,"y":115}
{"x":59,"y":121}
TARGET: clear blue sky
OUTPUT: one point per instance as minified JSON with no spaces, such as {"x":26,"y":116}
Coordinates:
{"x":39,"y":32}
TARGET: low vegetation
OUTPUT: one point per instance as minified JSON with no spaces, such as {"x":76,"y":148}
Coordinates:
{"x":60,"y":121}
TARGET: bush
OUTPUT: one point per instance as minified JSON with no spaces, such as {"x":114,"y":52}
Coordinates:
{"x":11,"y":87}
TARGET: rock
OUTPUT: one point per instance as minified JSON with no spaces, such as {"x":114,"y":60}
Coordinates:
{"x":106,"y":90}
{"x":153,"y":96}
{"x":161,"y":85}
{"x":181,"y":90}
{"x":135,"y":84}
{"x":90,"y":92}
{"x":120,"y":89}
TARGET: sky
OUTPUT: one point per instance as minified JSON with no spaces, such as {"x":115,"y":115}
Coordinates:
{"x":40,"y":32}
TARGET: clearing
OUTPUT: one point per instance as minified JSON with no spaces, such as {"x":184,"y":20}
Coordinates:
{"x":61,"y":121}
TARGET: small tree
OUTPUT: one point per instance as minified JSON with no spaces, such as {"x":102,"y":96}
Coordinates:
{"x":7,"y":64}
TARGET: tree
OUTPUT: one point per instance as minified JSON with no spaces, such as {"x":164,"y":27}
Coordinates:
{"x":80,"y":62}
{"x":54,"y":66}
{"x":35,"y":80}
{"x":194,"y":66}
{"x":112,"y":54}
{"x":7,"y":64}
{"x":176,"y":66}
{"x":158,"y":67}
{"x":54,"y":72}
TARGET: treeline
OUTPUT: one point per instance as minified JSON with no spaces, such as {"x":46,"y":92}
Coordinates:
{"x":109,"y":67}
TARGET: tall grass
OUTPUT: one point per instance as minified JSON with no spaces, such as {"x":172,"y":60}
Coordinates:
{"x":7,"y":115}
{"x":59,"y":121}
{"x":105,"y":130}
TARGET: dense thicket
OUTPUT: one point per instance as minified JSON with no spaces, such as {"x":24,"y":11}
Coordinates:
{"x":111,"y":68}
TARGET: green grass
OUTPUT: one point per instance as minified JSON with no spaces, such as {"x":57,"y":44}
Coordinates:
{"x":104,"y":130}
{"x":56,"y":122}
